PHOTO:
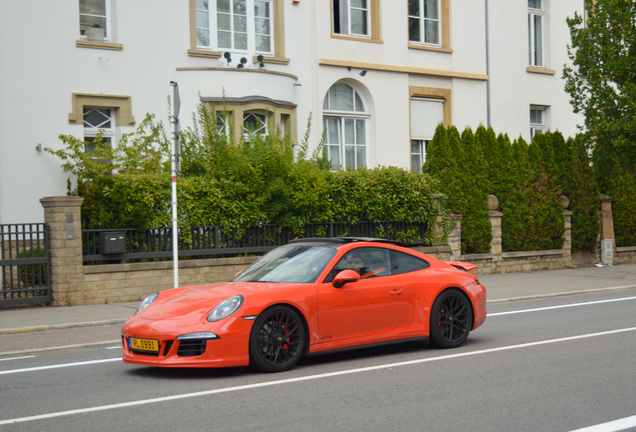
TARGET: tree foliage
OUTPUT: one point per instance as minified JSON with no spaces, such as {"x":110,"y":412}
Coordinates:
{"x":601,"y":83}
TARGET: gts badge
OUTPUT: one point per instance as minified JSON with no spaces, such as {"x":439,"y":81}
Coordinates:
{"x":325,"y":337}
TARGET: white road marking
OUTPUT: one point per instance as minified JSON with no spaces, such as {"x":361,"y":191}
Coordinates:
{"x":305,"y":378}
{"x":115,"y":347}
{"x":613,"y":426}
{"x":59,"y":366}
{"x":561,"y":306}
{"x":16,"y":358}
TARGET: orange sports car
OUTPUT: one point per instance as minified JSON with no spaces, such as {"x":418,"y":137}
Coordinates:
{"x":305,"y":298}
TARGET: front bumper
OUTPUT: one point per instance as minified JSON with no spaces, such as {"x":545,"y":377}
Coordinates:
{"x":230,"y":349}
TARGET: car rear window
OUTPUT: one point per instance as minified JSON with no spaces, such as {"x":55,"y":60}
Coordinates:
{"x":408,"y":263}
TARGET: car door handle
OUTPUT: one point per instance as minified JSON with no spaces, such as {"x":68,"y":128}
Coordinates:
{"x":396,"y":292}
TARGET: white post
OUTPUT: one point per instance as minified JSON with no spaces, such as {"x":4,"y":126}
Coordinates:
{"x":174,"y":121}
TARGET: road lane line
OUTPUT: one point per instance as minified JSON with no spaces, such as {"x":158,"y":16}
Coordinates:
{"x":16,"y":358}
{"x":561,"y":306}
{"x":305,"y":378}
{"x":115,"y":347}
{"x":613,"y":426}
{"x":59,"y":366}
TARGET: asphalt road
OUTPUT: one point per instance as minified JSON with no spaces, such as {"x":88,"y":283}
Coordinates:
{"x":534,"y":365}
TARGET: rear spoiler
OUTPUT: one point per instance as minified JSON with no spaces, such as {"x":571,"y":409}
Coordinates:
{"x":463,"y":266}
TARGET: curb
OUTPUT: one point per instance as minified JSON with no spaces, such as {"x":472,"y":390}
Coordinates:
{"x":58,"y":348}
{"x":61,"y":326}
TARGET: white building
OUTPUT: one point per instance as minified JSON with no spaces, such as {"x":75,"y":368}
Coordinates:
{"x":378,"y":74}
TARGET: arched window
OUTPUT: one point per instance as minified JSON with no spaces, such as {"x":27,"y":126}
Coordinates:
{"x":345,"y":121}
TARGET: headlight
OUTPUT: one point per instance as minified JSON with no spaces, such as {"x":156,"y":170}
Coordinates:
{"x":146,"y":302}
{"x":226,"y":308}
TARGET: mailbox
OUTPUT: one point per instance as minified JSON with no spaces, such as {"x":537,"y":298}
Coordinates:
{"x":112,"y":242}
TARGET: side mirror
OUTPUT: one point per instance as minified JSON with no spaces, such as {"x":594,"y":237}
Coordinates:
{"x":344,"y":277}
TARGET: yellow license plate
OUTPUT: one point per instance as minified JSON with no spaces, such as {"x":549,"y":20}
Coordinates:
{"x":144,"y":344}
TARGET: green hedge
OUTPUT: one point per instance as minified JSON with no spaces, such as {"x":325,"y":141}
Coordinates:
{"x":458,"y":163}
{"x":236,"y":184}
{"x":527,"y":179}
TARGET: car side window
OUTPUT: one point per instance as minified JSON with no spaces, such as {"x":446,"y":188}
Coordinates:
{"x":406,"y":263}
{"x":367,"y":262}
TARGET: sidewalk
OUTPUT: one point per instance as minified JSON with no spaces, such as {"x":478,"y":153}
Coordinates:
{"x":501,"y":288}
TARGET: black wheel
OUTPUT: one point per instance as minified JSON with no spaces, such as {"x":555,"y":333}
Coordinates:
{"x":277,"y":340}
{"x":451,"y":319}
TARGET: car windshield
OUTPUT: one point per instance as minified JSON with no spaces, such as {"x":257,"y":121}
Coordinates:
{"x":291,"y":263}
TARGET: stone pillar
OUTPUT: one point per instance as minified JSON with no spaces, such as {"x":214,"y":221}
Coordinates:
{"x":567,"y":234}
{"x":495,"y":221}
{"x":607,"y":220}
{"x":62,"y":214}
{"x":455,"y":239}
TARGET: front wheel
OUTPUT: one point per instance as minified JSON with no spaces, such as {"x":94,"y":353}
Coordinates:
{"x":451,"y":319}
{"x":277,"y":340}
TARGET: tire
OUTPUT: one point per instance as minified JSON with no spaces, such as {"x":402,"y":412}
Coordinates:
{"x":277,"y":340}
{"x":451,"y":319}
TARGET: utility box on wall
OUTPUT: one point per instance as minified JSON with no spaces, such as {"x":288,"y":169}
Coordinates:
{"x":607,"y":251}
{"x":112,"y":242}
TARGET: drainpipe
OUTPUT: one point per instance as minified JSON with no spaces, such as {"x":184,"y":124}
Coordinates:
{"x":487,"y":71}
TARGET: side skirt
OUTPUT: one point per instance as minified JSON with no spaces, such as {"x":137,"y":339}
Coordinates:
{"x":423,"y":339}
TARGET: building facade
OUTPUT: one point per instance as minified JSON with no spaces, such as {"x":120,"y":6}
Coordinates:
{"x":377,"y":75}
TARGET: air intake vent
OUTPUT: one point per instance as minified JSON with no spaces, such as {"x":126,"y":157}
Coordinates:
{"x":168,"y":345}
{"x":191,"y":347}
{"x":147,"y":353}
{"x":460,"y":268}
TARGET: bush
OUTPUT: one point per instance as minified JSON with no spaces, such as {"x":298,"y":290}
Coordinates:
{"x":576,"y":181}
{"x":621,"y":187}
{"x":237,"y":184}
{"x":457,"y":163}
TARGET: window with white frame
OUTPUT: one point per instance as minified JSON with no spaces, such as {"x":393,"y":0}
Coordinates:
{"x":254,"y":123}
{"x":425,"y":22}
{"x":94,"y":14}
{"x":345,"y":121}
{"x":536,"y":16}
{"x":537,"y":120}
{"x":98,"y":120}
{"x":426,"y":114}
{"x":351,"y":17}
{"x":242,"y":26}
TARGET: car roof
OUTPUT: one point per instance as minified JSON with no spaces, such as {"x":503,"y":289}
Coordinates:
{"x":338,"y":241}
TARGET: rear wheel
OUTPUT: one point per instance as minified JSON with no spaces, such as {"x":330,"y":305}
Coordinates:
{"x":277,"y":340}
{"x":451,"y":319}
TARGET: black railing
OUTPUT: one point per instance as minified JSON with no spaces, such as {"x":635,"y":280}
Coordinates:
{"x":213,"y":241}
{"x":24,"y":264}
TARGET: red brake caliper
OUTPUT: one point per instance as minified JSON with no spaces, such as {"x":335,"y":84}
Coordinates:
{"x":285,"y":332}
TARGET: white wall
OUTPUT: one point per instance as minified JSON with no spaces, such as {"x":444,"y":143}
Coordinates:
{"x":41,"y":67}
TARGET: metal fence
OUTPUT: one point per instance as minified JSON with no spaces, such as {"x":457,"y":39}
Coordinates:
{"x":24,"y":264}
{"x":213,"y":241}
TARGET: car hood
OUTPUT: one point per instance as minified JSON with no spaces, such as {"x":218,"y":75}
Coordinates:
{"x":200,"y":300}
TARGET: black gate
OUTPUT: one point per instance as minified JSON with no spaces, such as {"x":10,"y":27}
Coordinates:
{"x":24,"y":264}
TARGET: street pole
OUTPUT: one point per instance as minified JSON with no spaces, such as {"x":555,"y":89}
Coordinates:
{"x":174,"y":121}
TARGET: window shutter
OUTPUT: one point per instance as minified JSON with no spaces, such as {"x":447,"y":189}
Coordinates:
{"x":426,"y":114}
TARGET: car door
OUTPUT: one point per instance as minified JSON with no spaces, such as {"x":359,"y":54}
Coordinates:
{"x":369,"y":306}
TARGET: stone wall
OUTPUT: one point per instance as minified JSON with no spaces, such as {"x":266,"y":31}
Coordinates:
{"x":73,"y":283}
{"x":625,"y":255}
{"x":134,"y":281}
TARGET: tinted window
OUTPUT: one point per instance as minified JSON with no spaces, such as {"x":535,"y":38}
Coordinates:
{"x":367,"y":262}
{"x":408,"y":263}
